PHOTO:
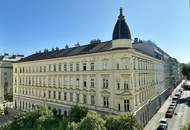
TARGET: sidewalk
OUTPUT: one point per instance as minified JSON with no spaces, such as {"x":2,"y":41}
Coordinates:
{"x":154,"y":122}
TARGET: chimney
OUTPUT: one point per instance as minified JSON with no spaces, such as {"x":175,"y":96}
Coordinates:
{"x":95,"y":41}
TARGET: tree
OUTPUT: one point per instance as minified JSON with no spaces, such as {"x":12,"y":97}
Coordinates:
{"x":186,"y":70}
{"x":123,"y":121}
{"x":6,"y":111}
{"x":72,"y":126}
{"x":92,"y":121}
{"x":38,"y":119}
{"x":77,"y":113}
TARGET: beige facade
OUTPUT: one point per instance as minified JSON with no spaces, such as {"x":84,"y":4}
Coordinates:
{"x":6,"y":79}
{"x":120,"y":80}
{"x":106,"y":77}
{"x":6,"y":75}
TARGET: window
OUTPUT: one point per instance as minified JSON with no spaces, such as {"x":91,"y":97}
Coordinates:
{"x":92,"y":98}
{"x":77,"y":67}
{"x":59,"y":95}
{"x":49,"y":94}
{"x":49,"y":68}
{"x":118,"y":86}
{"x":84,"y":66}
{"x":40,"y":68}
{"x":84,"y":99}
{"x":105,"y":83}
{"x":65,"y":96}
{"x":92,"y":66}
{"x":78,"y":99}
{"x":65,"y":67}
{"x":54,"y":68}
{"x":106,"y":102}
{"x":126,"y":85}
{"x":92,"y":83}
{"x":15,"y":70}
{"x":60,"y":68}
{"x":77,"y":82}
{"x":71,"y":67}
{"x":59,"y":112}
{"x":71,"y":97}
{"x":117,"y":66}
{"x":84,"y":84}
{"x":44,"y":68}
{"x":126,"y":105}
{"x":54,"y":94}
{"x":119,"y":107}
{"x":44,"y":94}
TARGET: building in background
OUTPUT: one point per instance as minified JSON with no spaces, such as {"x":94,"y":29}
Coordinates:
{"x":6,"y":74}
{"x":152,"y":49}
{"x":175,"y":71}
{"x":110,"y":77}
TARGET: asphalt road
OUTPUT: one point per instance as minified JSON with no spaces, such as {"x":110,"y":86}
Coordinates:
{"x":181,"y":118}
{"x":183,"y":113}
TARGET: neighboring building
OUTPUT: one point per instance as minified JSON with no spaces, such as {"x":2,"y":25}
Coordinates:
{"x":109,"y":76}
{"x":152,"y":49}
{"x":175,"y":71}
{"x":6,"y":74}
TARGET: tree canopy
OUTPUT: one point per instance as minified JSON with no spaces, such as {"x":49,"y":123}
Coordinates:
{"x":79,"y":118}
{"x":186,"y":70}
{"x":123,"y":121}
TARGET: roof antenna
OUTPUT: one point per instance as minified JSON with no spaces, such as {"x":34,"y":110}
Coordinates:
{"x":122,"y":3}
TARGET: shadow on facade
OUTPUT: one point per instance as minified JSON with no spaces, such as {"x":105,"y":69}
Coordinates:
{"x":150,"y":108}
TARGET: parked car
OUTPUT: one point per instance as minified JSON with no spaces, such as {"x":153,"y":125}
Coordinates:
{"x":175,"y":98}
{"x":174,"y":102}
{"x":172,"y":106}
{"x":169,"y":113}
{"x":178,"y":94}
{"x":162,"y":127}
{"x":164,"y":122}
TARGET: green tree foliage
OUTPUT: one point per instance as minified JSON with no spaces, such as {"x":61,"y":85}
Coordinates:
{"x":8,"y":97}
{"x":38,"y":119}
{"x":186,"y":70}
{"x":123,"y":121}
{"x":72,"y":126}
{"x":92,"y":121}
{"x":6,"y":111}
{"x":187,"y":127}
{"x":77,"y":113}
{"x":79,"y":119}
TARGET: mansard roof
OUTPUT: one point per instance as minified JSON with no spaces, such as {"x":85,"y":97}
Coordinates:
{"x":85,"y":49}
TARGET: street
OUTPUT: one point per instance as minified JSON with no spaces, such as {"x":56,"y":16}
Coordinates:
{"x":181,"y":118}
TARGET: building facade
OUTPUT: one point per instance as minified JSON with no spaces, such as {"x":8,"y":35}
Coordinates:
{"x":6,"y":74}
{"x":109,"y":76}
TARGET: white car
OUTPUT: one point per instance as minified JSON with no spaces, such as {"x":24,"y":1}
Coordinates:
{"x":164,"y":122}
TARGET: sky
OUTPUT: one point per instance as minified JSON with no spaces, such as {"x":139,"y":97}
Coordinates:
{"x":27,"y":26}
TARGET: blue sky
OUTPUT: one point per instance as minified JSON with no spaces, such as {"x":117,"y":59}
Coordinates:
{"x":27,"y":26}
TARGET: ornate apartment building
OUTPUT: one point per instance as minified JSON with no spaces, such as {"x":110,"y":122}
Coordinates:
{"x":6,"y":75}
{"x":109,"y":76}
